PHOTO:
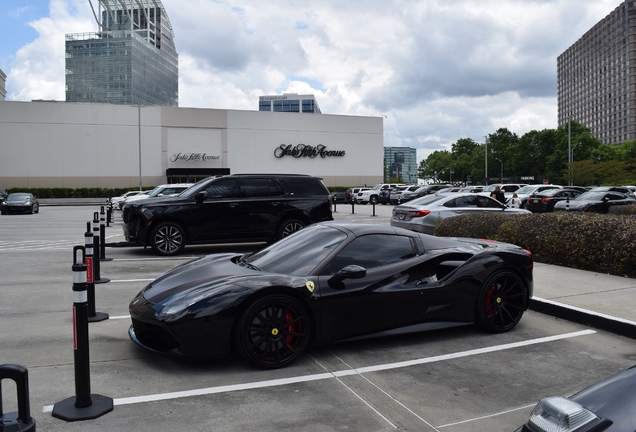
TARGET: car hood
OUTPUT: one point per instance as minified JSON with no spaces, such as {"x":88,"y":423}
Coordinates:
{"x":219,"y":272}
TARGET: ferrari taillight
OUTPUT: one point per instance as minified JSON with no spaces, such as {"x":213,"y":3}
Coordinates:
{"x":547,"y":199}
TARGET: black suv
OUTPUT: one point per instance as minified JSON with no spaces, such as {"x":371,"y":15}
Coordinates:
{"x":230,"y":209}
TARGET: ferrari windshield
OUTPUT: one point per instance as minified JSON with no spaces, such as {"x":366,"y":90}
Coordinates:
{"x":299,"y":253}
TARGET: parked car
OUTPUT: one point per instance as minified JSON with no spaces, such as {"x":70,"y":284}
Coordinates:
{"x":3,"y":196}
{"x":595,"y":202}
{"x":621,"y":189}
{"x":545,"y":201}
{"x":339,"y":197}
{"x":230,"y":209}
{"x":607,"y":406}
{"x":448,"y":190}
{"x":507,"y":188}
{"x":116,"y":201}
{"x":373,"y":195}
{"x":472,"y":189}
{"x":329,"y":282}
{"x":429,"y":189}
{"x":353,"y":194}
{"x":164,"y":190}
{"x":403,"y":195}
{"x":423,"y":214}
{"x":20,"y":202}
{"x":524,"y":192}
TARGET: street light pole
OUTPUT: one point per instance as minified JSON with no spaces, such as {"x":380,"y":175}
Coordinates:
{"x":486,"y":161}
{"x":501,"y":176}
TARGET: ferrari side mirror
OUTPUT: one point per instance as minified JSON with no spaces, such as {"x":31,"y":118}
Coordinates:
{"x":201,"y":196}
{"x":349,"y":272}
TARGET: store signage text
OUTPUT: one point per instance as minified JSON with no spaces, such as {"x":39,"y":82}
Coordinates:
{"x":193,"y":157}
{"x":304,"y":150}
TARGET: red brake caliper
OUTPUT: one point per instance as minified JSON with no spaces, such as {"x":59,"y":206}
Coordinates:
{"x":488,"y":301}
{"x":292,"y":328}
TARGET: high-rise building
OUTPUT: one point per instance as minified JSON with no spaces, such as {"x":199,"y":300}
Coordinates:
{"x":3,"y":79}
{"x":597,"y":78}
{"x":400,"y":162}
{"x":130,"y":60}
{"x":289,"y":102}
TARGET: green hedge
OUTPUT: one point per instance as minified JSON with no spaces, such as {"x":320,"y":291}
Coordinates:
{"x":75,"y":193}
{"x":599,"y":243}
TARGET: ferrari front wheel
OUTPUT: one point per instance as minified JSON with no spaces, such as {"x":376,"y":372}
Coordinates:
{"x":273,"y":331}
{"x":501,"y":302}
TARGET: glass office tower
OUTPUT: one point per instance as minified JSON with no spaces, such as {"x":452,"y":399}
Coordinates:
{"x":130,"y":60}
{"x":400,"y":162}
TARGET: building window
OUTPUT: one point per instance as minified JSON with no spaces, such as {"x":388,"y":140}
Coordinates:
{"x":308,"y":106}
{"x":264,"y":105}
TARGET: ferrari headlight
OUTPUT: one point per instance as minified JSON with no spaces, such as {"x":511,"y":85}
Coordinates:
{"x":180,"y":303}
{"x":559,"y":414}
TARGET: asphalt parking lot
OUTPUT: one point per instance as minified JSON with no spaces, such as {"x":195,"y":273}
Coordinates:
{"x":450,"y":379}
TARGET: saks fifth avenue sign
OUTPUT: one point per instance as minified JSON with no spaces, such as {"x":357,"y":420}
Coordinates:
{"x":192,"y":157}
{"x":304,"y":150}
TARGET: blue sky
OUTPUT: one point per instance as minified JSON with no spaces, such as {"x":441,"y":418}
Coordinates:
{"x":437,"y":70}
{"x":15,"y":31}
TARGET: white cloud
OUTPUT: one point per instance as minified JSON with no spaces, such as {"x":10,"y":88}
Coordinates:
{"x":439,"y":70}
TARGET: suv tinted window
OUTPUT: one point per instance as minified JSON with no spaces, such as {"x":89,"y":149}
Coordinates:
{"x":305,"y":185}
{"x":223,"y":188}
{"x":261,"y":187}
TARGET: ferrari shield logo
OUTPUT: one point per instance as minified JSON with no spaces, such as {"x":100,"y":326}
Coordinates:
{"x":310,"y":286}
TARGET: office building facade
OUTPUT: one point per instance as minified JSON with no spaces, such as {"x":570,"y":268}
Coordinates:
{"x":400,"y":163}
{"x":78,"y":145}
{"x":3,"y":91}
{"x":597,"y":78}
{"x":130,"y":60}
{"x":289,"y":102}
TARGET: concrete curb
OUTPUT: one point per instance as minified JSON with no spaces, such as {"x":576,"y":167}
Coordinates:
{"x":587,"y":317}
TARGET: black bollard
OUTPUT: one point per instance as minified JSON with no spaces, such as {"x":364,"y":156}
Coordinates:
{"x":109,"y":212}
{"x":373,"y":209}
{"x":84,"y":405}
{"x":97,"y":277}
{"x":20,"y":421}
{"x":353,"y":204}
{"x":93,"y":315}
{"x":102,"y":236}
{"x":334,"y":204}
{"x":567,"y":204}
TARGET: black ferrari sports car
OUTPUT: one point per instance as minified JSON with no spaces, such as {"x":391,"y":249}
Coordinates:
{"x":328,"y":282}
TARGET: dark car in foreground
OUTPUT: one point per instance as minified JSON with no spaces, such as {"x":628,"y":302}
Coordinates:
{"x":328,"y":282}
{"x":237,"y":208}
{"x":543,"y":202}
{"x":607,"y":406}
{"x":20,"y":203}
{"x":595,"y":202}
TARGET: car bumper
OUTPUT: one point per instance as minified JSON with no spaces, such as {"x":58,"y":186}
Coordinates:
{"x":17,"y":208}
{"x":417,"y":227}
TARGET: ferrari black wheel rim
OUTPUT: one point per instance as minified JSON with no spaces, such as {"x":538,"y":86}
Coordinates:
{"x":501,"y":302}
{"x":274,"y":331}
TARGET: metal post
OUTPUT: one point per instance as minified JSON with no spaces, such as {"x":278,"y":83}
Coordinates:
{"x":567,"y":204}
{"x":102,"y":236}
{"x":334,"y":204}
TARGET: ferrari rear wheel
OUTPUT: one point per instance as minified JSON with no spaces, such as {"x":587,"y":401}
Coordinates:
{"x":501,"y":302}
{"x":273,"y":331}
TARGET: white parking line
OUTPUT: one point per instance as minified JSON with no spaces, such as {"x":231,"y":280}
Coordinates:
{"x":586,"y":311}
{"x":322,"y":376}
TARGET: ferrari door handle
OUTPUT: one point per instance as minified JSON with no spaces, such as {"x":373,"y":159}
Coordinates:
{"x":421,"y":282}
{"x":232,"y":205}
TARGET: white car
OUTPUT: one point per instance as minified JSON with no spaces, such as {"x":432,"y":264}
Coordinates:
{"x":116,"y":201}
{"x":160,"y":191}
{"x":373,"y":195}
{"x":526,"y":191}
{"x":507,"y":188}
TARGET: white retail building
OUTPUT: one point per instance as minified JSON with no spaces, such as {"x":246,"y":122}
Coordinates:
{"x":73,"y":145}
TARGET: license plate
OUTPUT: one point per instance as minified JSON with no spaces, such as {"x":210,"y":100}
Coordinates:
{"x":536,"y":200}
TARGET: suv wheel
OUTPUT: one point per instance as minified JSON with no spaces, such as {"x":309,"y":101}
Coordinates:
{"x":167,"y":239}
{"x":289,"y":227}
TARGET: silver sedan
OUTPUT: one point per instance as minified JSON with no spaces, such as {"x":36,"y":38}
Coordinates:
{"x":423,"y":214}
